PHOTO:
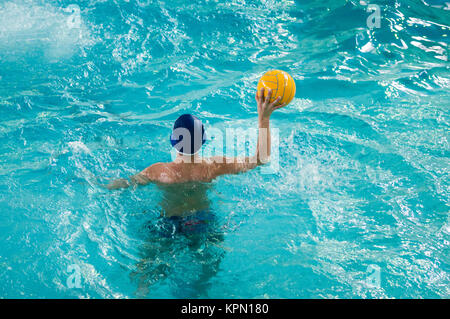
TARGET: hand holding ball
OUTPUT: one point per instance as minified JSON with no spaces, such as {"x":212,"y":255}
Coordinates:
{"x":281,"y":83}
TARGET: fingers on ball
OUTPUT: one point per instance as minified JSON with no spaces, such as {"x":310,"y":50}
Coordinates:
{"x":276,"y":101}
{"x":260,"y":95}
{"x":269,"y":95}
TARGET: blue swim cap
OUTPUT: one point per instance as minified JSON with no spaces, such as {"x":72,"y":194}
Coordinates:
{"x":188,"y":134}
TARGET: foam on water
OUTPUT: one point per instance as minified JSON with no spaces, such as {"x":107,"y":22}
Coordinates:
{"x":29,"y":27}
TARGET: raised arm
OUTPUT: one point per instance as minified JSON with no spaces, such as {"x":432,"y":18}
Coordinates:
{"x":265,"y":110}
{"x":263,"y":147}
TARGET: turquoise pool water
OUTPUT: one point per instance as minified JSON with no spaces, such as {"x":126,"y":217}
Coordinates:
{"x":358,"y":208}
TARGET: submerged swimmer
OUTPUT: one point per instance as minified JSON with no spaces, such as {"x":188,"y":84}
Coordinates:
{"x":188,"y":137}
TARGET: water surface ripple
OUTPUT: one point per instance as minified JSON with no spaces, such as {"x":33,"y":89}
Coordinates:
{"x":89,"y":91}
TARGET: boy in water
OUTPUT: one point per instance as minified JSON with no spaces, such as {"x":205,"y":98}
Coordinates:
{"x":188,"y":138}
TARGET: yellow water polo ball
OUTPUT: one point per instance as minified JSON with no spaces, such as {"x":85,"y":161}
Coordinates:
{"x":281,"y":83}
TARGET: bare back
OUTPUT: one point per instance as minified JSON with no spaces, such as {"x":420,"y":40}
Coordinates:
{"x":200,"y":170}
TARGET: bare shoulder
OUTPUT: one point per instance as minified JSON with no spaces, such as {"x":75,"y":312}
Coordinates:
{"x":160,"y":172}
{"x":205,"y":170}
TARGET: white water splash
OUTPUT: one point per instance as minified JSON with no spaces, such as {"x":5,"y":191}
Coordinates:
{"x":30,"y":27}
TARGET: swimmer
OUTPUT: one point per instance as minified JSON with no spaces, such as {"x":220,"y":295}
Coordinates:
{"x":188,"y":166}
